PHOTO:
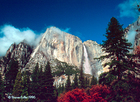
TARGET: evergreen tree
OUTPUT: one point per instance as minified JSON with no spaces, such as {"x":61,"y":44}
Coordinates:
{"x":117,"y":49}
{"x":35,"y":81}
{"x":1,"y":88}
{"x":86,"y":82}
{"x":81,"y":78}
{"x":25,"y":89}
{"x":93,"y":80}
{"x":75,"y":81}
{"x":42,"y":85}
{"x":11,"y":74}
{"x":49,"y":88}
{"x":106,"y":78}
{"x":68,"y":84}
{"x":17,"y":89}
{"x":62,"y":88}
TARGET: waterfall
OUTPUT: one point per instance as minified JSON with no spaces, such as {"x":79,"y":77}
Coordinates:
{"x":86,"y":64}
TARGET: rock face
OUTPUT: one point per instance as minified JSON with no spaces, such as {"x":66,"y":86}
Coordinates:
{"x":56,"y":44}
{"x":20,"y":52}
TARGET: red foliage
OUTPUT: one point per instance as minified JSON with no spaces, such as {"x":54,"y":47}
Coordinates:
{"x":97,"y":94}
{"x":76,"y":95}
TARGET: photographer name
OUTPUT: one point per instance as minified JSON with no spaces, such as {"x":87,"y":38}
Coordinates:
{"x":21,"y":97}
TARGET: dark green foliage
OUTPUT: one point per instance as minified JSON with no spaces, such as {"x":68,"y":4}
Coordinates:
{"x":75,"y":85}
{"x":35,"y":81}
{"x":93,"y":80}
{"x":49,"y":88}
{"x":17,"y":89}
{"x":106,"y":78}
{"x":61,"y":89}
{"x":86,"y":82}
{"x":81,"y":78}
{"x":42,"y":84}
{"x":68,"y":84}
{"x":125,"y":90}
{"x":64,"y":68}
{"x":122,"y":91}
{"x":1,"y":88}
{"x":10,"y":75}
{"x":117,"y":48}
{"x":26,"y":86}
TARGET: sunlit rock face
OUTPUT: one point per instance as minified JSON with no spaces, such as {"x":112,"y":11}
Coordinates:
{"x":56,"y":44}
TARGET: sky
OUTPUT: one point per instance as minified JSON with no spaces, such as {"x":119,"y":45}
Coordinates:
{"x":87,"y":19}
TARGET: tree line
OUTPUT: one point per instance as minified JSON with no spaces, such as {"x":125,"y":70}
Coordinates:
{"x":39,"y":83}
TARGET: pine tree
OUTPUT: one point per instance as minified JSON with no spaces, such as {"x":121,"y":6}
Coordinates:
{"x":75,"y":81}
{"x":81,"y":78}
{"x":49,"y":88}
{"x":62,"y":88}
{"x":11,"y":74}
{"x":106,"y":78}
{"x":42,"y":84}
{"x":1,"y":88}
{"x":68,"y":84}
{"x":25,"y":89}
{"x":93,"y":80}
{"x":17,"y":89}
{"x":117,"y":49}
{"x":86,"y":82}
{"x":35,"y":81}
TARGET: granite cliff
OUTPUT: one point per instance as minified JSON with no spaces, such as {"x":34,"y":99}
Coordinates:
{"x":56,"y":44}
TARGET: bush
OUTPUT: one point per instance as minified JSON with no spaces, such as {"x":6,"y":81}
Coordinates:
{"x":76,"y":95}
{"x":97,"y":93}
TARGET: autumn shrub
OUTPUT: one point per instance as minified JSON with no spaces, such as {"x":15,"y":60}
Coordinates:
{"x":76,"y":95}
{"x":97,"y":93}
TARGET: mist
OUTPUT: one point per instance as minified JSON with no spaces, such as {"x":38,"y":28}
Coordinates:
{"x":131,"y":35}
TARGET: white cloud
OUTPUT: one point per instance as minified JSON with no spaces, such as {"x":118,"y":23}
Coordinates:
{"x":59,"y":30}
{"x":129,"y":8}
{"x":12,"y":34}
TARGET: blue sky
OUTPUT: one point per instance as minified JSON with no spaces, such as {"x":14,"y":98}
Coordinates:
{"x":87,"y":19}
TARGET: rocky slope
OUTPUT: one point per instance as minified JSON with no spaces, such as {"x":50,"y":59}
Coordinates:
{"x":20,"y":52}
